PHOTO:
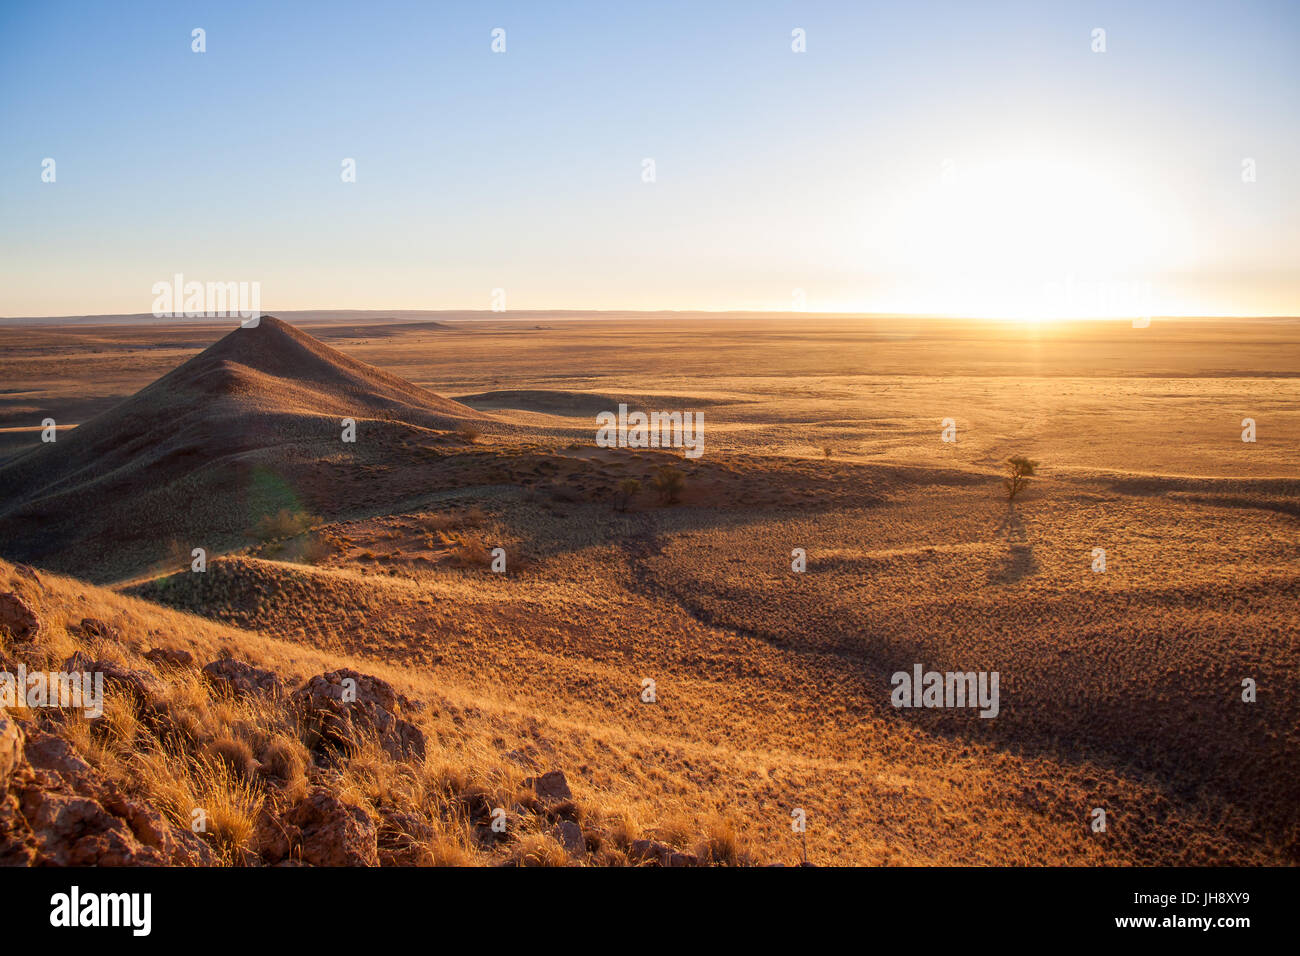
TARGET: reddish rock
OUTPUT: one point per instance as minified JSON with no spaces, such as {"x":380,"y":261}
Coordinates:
{"x":17,"y":616}
{"x":170,"y":658}
{"x":73,"y":830}
{"x":143,"y":685}
{"x":368,"y":689}
{"x":333,"y":833}
{"x":11,"y":750}
{"x":275,"y":838}
{"x":569,"y":835}
{"x":61,"y":812}
{"x":17,"y":845}
{"x":649,"y":852}
{"x":235,"y":678}
{"x":51,"y":752}
{"x":551,"y":787}
{"x":91,"y":627}
{"x":178,"y":846}
{"x":341,"y":723}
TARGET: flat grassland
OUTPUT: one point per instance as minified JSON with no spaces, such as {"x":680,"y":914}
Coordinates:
{"x":1120,"y":689}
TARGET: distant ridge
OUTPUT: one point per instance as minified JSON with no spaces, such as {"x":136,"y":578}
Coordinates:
{"x":228,"y":424}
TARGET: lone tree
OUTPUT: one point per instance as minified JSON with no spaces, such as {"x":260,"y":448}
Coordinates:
{"x":1019,"y":470}
{"x":669,"y":482}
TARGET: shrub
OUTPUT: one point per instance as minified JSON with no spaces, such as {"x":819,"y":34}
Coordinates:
{"x":720,"y":845}
{"x":669,"y":483}
{"x":284,"y":760}
{"x":283,"y":524}
{"x":538,"y":849}
{"x":234,"y":753}
{"x":315,"y":550}
{"x":627,"y":490}
{"x":436,"y":522}
{"x":465,"y":551}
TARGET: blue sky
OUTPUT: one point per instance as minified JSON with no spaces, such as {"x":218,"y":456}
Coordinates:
{"x":918,"y":157}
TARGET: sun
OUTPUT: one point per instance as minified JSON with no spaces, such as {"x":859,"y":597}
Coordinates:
{"x":1027,"y":237}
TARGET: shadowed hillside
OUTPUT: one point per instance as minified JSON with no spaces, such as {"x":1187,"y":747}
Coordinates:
{"x":207,"y":450}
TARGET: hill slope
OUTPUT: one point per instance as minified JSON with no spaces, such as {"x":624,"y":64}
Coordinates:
{"x":253,"y":732}
{"x":206,"y":450}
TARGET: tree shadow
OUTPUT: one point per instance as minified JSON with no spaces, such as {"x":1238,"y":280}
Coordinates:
{"x":1018,"y":561}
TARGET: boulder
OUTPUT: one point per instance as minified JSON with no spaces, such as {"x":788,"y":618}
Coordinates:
{"x":333,"y":833}
{"x":17,"y":846}
{"x":73,"y":830}
{"x":51,"y":752}
{"x":18,"y":618}
{"x":374,"y":690}
{"x":142,"y":685}
{"x":274,"y":838}
{"x":550,"y":787}
{"x":91,"y":627}
{"x":401,"y":837}
{"x":569,"y":835}
{"x":341,"y":723}
{"x":178,"y":846}
{"x":235,"y":678}
{"x":650,"y":852}
{"x":169,"y":658}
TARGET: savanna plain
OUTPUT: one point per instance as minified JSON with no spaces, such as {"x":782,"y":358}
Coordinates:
{"x":630,"y":570}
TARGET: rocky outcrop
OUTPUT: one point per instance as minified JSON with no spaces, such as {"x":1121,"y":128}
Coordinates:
{"x":57,"y":810}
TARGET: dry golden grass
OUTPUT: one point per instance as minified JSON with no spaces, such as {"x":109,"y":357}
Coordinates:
{"x":737,"y":727}
{"x":232,"y":757}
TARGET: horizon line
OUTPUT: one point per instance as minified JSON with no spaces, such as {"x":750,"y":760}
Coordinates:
{"x":150,"y":318}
